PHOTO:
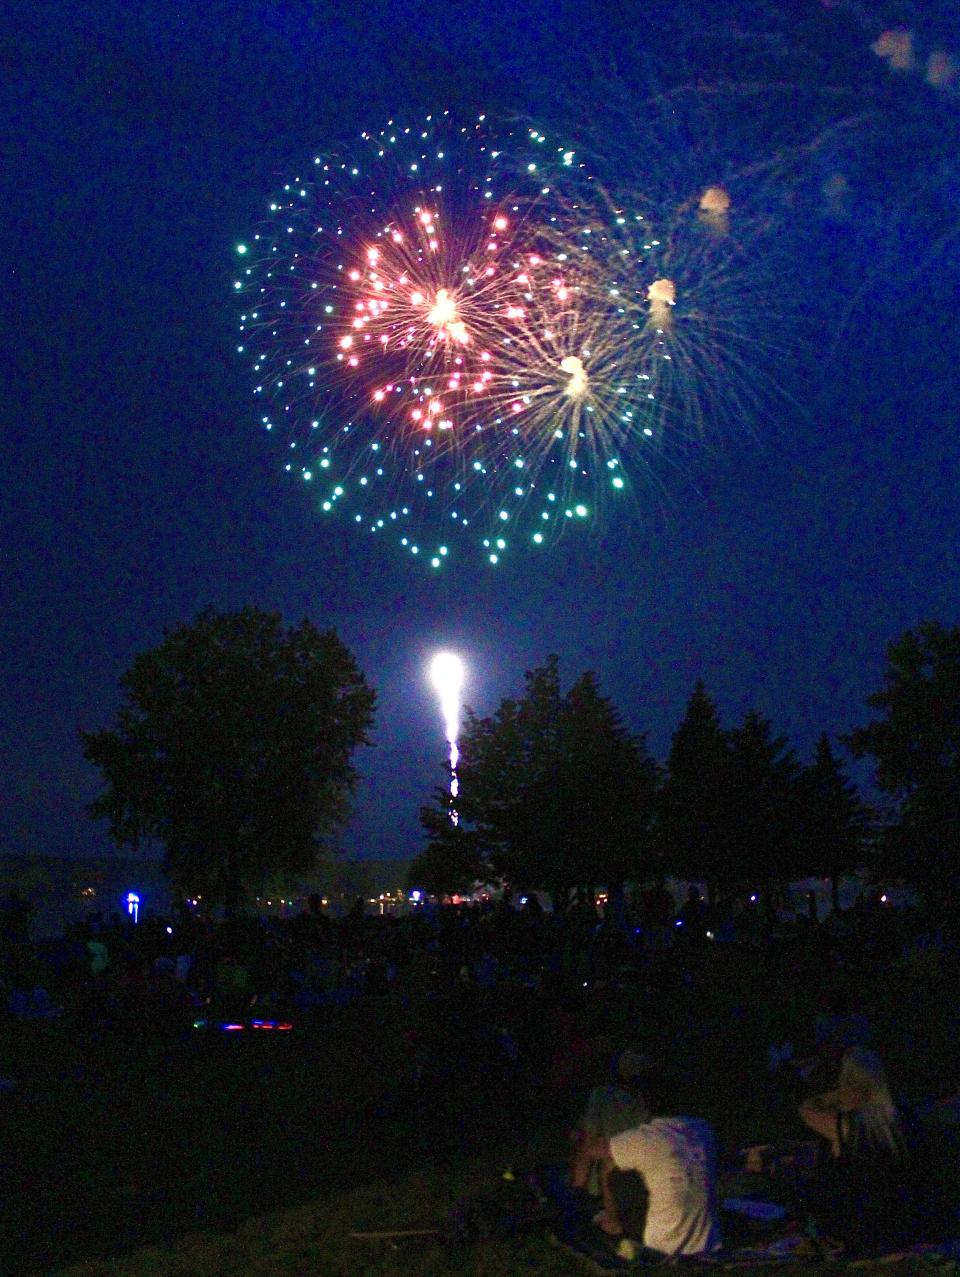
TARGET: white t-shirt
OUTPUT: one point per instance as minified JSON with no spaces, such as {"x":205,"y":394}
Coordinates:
{"x":676,"y":1158}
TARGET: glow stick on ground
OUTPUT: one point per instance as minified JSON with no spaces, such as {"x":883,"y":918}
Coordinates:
{"x":446,"y":674}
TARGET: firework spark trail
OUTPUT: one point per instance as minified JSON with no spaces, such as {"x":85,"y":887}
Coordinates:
{"x":701,"y":287}
{"x":447,"y":675}
{"x":564,"y":393}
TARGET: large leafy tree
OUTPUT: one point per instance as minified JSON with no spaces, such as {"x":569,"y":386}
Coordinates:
{"x":232,"y":747}
{"x":834,"y":825}
{"x":916,"y":745}
{"x":555,"y":793}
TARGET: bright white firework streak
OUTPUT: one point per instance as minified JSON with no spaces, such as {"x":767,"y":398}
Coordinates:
{"x":577,"y":386}
{"x":446,"y":673}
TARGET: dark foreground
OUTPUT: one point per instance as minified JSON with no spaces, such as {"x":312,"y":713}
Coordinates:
{"x":115,"y":1141}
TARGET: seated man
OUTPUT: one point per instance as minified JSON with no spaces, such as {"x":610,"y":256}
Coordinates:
{"x":610,"y":1109}
{"x":674,"y":1160}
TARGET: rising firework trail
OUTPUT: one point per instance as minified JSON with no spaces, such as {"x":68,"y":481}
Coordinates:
{"x":446,"y":674}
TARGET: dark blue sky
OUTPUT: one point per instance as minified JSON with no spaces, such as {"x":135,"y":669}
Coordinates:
{"x":140,"y":143}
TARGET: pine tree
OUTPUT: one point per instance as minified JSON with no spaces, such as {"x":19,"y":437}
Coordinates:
{"x":450,"y":862}
{"x":834,"y":824}
{"x":607,"y":786}
{"x":761,"y":806}
{"x":692,"y":808}
{"x":554,"y":792}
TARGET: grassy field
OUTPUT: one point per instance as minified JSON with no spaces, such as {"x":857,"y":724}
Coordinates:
{"x":311,"y":1241}
{"x":257,"y":1155}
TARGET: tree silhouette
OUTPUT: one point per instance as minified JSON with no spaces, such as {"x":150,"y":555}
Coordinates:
{"x":451,"y":861}
{"x":916,"y":745}
{"x":509,"y":767}
{"x":692,"y":831}
{"x":608,"y":784}
{"x":761,"y":807}
{"x":232,"y":747}
{"x":833,"y":825}
{"x":555,"y":793}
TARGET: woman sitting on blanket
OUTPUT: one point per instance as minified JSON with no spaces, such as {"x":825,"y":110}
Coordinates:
{"x":863,"y":1193}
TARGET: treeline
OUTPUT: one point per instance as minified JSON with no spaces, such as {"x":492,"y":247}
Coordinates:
{"x":555,"y":793}
{"x":232,"y":750}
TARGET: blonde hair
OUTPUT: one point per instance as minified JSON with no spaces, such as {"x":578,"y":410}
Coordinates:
{"x":862,"y":1088}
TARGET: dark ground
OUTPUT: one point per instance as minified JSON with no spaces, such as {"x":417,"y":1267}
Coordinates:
{"x":112,"y":1141}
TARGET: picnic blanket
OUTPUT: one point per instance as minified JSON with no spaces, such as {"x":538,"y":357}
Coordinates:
{"x":775,"y":1239}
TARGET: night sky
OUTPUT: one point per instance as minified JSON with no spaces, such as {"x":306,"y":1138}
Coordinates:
{"x":140,"y":144}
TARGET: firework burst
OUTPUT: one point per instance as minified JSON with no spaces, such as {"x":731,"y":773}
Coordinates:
{"x":425,"y":347}
{"x":463,"y":339}
{"x":706,"y":308}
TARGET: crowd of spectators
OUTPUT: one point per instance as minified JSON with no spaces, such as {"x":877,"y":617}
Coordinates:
{"x":511,"y":984}
{"x":109,"y":971}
